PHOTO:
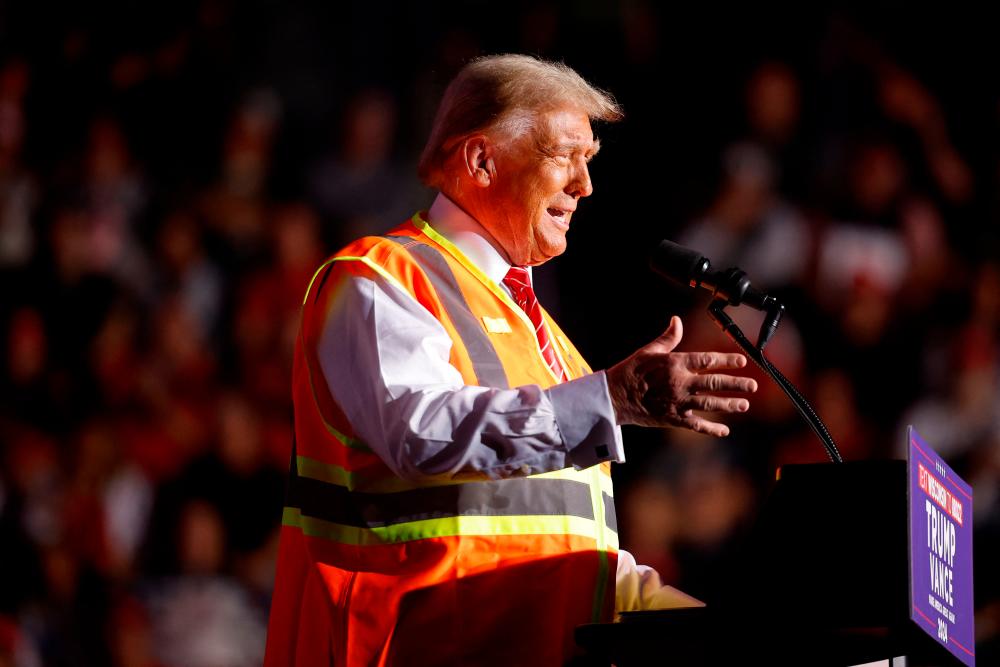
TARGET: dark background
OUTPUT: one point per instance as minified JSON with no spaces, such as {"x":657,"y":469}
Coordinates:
{"x":172,"y":173}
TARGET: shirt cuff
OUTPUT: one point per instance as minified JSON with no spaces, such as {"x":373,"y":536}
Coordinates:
{"x":586,"y":420}
{"x":638,"y":587}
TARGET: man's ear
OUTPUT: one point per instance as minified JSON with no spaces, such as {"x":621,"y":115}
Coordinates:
{"x":477,"y":154}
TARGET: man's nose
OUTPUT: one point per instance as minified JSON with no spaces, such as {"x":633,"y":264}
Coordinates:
{"x":580,"y":185}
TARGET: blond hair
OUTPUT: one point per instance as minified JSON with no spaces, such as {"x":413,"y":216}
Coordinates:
{"x":503,"y":95}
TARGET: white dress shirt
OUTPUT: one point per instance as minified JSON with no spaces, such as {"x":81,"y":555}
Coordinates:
{"x":385,"y":361}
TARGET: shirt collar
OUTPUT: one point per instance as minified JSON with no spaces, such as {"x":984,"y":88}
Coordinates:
{"x":465,"y":232}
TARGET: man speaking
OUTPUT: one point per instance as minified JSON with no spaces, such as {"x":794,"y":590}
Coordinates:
{"x":450,"y":497}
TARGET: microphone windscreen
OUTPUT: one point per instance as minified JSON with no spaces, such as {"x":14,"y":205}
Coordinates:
{"x":678,"y":263}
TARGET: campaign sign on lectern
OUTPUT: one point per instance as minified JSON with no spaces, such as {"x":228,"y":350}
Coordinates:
{"x":940,"y":550}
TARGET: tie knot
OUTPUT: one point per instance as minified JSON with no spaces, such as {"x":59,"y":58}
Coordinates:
{"x":519,"y":282}
{"x":518,"y":274}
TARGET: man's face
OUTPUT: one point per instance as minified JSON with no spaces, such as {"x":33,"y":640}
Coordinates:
{"x":539,"y":180}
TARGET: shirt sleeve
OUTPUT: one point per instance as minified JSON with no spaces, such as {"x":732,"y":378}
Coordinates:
{"x":639,"y":588}
{"x":385,"y":361}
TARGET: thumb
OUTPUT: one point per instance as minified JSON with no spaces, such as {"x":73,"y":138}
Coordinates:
{"x":670,"y":338}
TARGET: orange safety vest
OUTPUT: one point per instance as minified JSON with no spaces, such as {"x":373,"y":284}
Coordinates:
{"x":376,"y":570}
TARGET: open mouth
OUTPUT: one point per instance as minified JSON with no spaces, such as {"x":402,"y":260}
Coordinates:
{"x":560,"y":215}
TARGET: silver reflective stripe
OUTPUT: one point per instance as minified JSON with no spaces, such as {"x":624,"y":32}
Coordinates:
{"x":485,"y":362}
{"x":520,"y":496}
{"x":610,"y":518}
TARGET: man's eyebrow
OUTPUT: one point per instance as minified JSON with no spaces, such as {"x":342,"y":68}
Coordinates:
{"x":574,"y":146}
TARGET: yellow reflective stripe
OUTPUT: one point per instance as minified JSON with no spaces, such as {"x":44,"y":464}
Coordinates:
{"x":612,"y":539}
{"x":448,"y":527}
{"x":602,"y":585}
{"x":367,"y":261}
{"x":324,"y":472}
{"x":460,"y":257}
{"x":305,"y":297}
{"x":345,"y":440}
{"x":425,"y":227}
{"x":606,"y":485}
{"x":602,"y":544}
{"x":352,"y":258}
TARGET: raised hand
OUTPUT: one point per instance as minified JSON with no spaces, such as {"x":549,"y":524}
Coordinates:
{"x":659,"y":387}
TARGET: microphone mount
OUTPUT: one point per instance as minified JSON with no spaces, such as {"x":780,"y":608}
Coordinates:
{"x":732,"y":288}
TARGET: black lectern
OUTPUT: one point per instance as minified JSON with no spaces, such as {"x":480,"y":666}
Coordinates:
{"x":825,"y":581}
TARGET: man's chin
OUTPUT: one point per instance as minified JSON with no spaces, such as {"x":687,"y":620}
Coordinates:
{"x":544,"y":252}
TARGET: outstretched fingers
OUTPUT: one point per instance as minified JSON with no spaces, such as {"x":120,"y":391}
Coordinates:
{"x":707,"y":361}
{"x":718,"y":382}
{"x":715,"y":404}
{"x":701,"y":425}
{"x":703,"y":398}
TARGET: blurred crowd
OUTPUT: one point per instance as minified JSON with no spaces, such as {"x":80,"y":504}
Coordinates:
{"x":171,"y":176}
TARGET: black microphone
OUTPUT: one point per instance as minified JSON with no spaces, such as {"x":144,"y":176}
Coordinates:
{"x":689,"y":267}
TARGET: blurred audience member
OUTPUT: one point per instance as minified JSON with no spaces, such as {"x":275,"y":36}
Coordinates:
{"x":749,"y":225}
{"x":18,"y":191}
{"x":905,"y":100}
{"x":201,"y":617}
{"x":235,"y":208}
{"x":267,"y":304}
{"x":773,"y":105}
{"x":361,"y":187}
{"x":188,"y":273}
{"x":115,"y":197}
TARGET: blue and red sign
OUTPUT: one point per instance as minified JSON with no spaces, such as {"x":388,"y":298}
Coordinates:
{"x":940,"y":550}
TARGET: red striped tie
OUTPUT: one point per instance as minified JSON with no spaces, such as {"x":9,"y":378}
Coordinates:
{"x":519,"y":283}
